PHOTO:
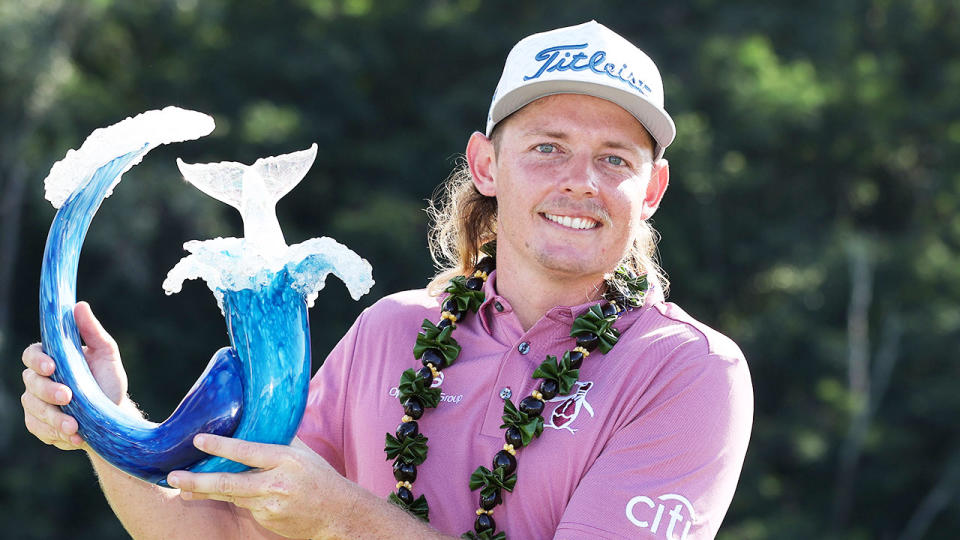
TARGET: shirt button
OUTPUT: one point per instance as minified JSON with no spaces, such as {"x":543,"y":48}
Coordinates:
{"x":498,"y":306}
{"x":505,"y":392}
{"x":524,"y":348}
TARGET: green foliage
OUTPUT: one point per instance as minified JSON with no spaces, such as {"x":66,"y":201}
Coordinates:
{"x":561,"y":372}
{"x":490,"y":482}
{"x":431,"y":337}
{"x":418,"y":507}
{"x":465,"y":299}
{"x":594,"y":322}
{"x":530,"y":425}
{"x":485,"y":535}
{"x":411,"y":450}
{"x":413,"y":386}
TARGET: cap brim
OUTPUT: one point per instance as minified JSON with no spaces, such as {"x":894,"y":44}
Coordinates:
{"x":653,"y":118}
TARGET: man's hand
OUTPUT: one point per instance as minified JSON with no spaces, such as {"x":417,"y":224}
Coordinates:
{"x":42,"y":396}
{"x":292,"y":491}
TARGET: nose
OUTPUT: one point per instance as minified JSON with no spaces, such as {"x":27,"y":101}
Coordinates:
{"x":580,"y":178}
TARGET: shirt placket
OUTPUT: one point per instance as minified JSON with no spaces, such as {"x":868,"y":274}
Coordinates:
{"x":517,"y":365}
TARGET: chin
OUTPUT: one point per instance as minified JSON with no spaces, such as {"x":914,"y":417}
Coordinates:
{"x":564,"y":264}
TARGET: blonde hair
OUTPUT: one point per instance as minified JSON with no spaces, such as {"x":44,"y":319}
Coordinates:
{"x":463,"y":220}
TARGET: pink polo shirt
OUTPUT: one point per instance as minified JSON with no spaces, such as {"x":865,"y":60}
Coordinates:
{"x":649,"y":445}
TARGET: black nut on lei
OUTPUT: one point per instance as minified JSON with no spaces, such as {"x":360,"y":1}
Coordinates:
{"x":512,"y":436}
{"x":407,"y":430}
{"x":506,"y":460}
{"x":413,"y":408}
{"x":548,"y":388}
{"x":404,"y":472}
{"x":444,"y":323}
{"x":486,"y":265}
{"x":405,"y":496}
{"x":451,"y":306}
{"x":531,"y":405}
{"x":425,"y":374}
{"x":491,"y":500}
{"x":576,"y":359}
{"x":433,"y":356}
{"x":484,"y":522}
{"x":474,"y":284}
{"x":608,"y":310}
{"x":588,"y":341}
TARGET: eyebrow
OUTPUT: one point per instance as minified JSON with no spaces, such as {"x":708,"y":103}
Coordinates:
{"x":545,"y":133}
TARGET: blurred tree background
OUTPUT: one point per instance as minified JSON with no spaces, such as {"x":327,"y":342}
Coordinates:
{"x":813,"y":214}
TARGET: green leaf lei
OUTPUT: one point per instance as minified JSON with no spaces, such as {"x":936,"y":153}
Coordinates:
{"x":489,"y":482}
{"x":410,"y":450}
{"x":593,"y":329}
{"x":530,"y":425}
{"x":595,"y":322}
{"x":464,"y":298}
{"x":561,"y":372}
{"x":431,"y":337}
{"x":418,"y":507}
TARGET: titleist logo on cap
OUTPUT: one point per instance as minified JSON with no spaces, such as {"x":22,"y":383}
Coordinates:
{"x":560,"y":58}
{"x":588,"y":59}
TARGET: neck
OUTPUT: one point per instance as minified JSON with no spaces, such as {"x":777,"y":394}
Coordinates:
{"x":532,"y":292}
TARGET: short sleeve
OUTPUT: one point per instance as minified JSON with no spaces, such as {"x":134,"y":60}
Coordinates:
{"x":322,"y":426}
{"x":670,"y":471}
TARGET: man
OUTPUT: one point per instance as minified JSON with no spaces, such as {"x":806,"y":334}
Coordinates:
{"x":646,"y":440}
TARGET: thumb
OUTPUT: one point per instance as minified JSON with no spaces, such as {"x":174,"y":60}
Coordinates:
{"x":92,"y":332}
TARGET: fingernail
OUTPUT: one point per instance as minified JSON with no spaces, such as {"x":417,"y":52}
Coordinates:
{"x":62,"y":396}
{"x":65,"y":426}
{"x":173,"y":480}
{"x":47,"y":367}
{"x":200,"y":440}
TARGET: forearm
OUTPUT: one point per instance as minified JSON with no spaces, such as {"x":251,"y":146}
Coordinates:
{"x":370,"y":518}
{"x":148,"y":511}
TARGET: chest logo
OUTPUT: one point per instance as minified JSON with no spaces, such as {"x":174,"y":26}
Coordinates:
{"x":569,"y":407}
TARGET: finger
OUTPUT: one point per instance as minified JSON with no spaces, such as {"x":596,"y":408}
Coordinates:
{"x":34,"y":358}
{"x":92,"y":332}
{"x":40,"y":429}
{"x":46,"y":389}
{"x":48,"y":414}
{"x":259,"y":455}
{"x":250,"y":503}
{"x":49,"y":435}
{"x":219,"y":486}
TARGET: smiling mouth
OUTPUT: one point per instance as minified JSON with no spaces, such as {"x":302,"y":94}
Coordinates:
{"x":578,"y":223}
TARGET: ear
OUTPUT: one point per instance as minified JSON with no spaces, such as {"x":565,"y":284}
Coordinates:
{"x":483,"y":163}
{"x":656,"y":187}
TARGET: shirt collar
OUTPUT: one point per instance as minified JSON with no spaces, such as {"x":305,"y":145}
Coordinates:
{"x":495,"y":306}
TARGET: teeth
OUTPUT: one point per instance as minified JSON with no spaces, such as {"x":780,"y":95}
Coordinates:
{"x":573,"y":223}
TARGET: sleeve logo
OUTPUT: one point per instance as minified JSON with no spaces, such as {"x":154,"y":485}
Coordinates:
{"x":646,"y":513}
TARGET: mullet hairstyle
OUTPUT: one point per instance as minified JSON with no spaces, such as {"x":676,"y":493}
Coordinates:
{"x":463,"y":220}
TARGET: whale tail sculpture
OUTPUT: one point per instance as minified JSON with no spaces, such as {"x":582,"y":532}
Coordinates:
{"x":254,"y":191}
{"x":254,"y":390}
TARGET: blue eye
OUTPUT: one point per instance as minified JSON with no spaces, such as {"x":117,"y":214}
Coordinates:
{"x":546,"y":148}
{"x":616,"y":161}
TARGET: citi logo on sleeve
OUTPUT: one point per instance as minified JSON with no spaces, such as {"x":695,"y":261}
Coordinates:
{"x":646,"y":513}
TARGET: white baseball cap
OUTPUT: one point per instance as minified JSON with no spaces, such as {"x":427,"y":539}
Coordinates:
{"x":588,"y":59}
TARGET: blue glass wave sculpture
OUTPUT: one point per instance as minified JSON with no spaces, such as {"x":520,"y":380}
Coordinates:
{"x":254,"y":390}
